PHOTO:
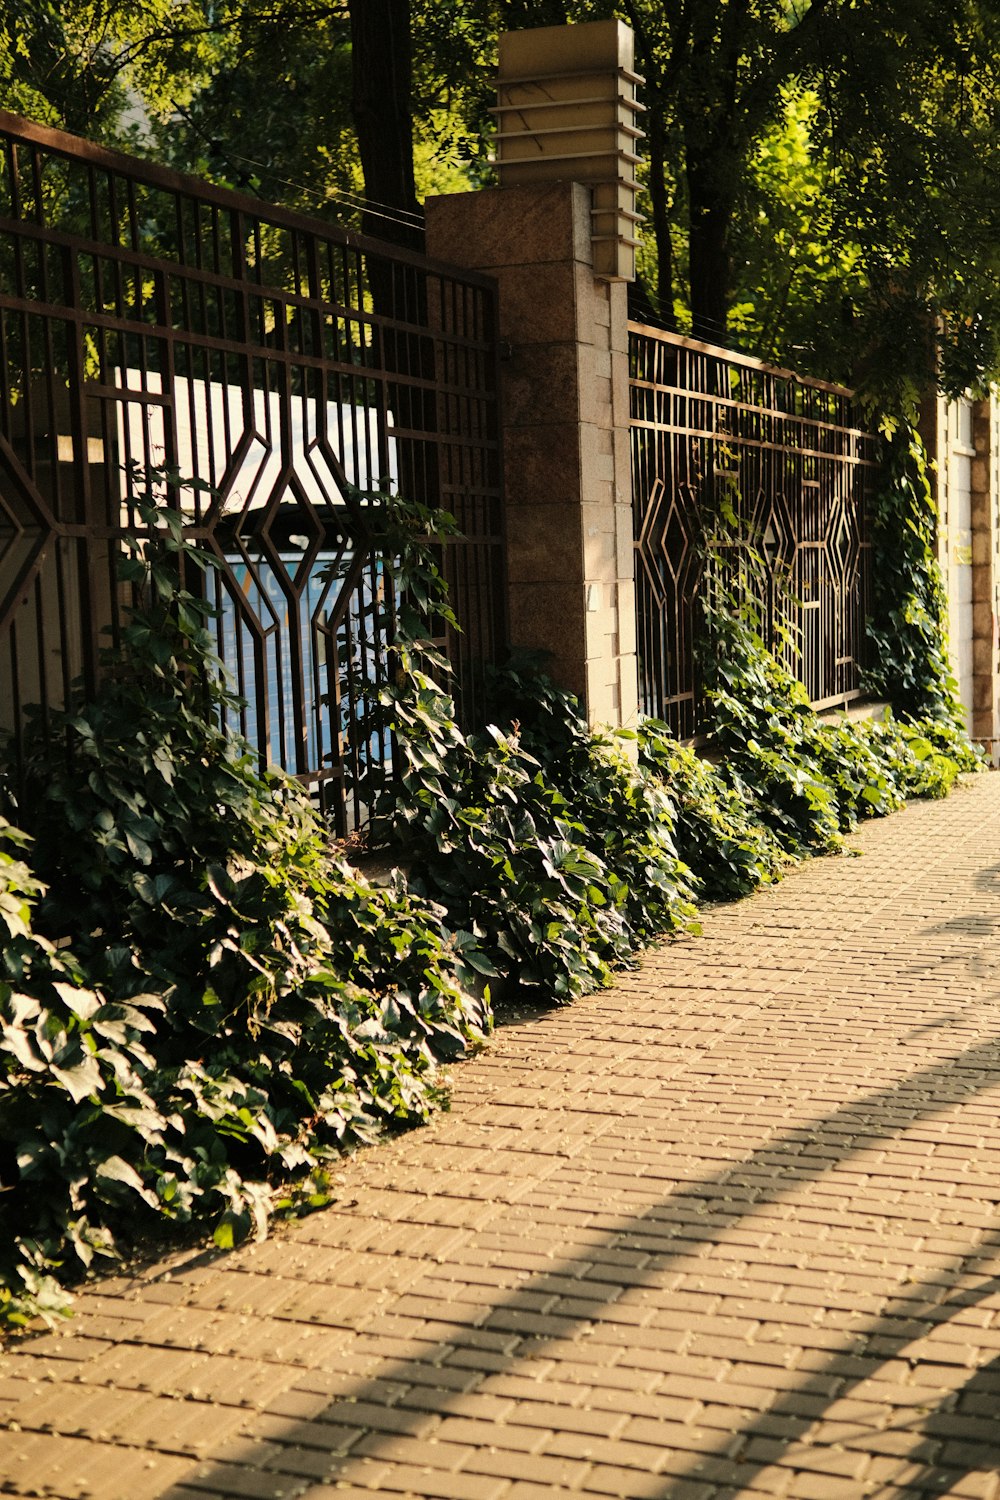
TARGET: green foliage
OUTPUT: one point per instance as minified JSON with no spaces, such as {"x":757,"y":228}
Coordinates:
{"x":200,"y":1005}
{"x":790,"y":784}
{"x":558,"y":857}
{"x":787,"y":782}
{"x":799,"y":275}
{"x":908,"y":628}
{"x":719,"y":834}
{"x":236,"y":1005}
{"x":856,"y":242}
{"x":759,"y":720}
{"x":549,"y":850}
{"x":89,"y":65}
{"x":813,"y":779}
{"x":551,"y":853}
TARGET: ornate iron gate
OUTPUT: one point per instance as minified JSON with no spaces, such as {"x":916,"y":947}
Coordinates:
{"x":149,"y":320}
{"x":719,"y":433}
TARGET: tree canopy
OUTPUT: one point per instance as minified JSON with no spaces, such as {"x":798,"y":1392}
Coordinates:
{"x":822,"y":177}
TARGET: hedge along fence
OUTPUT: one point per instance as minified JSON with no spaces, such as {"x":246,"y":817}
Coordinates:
{"x":238,"y":1005}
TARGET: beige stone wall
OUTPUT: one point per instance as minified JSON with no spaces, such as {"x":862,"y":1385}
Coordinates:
{"x":565,"y":403}
{"x":985,"y":527}
{"x":963,"y":440}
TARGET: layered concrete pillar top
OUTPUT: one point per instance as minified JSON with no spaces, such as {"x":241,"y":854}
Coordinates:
{"x":567,"y":112}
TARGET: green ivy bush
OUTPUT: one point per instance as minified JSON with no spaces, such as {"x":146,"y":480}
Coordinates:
{"x":478,"y":818}
{"x":557,"y":867}
{"x":788,"y":783}
{"x":199,"y":1005}
{"x":729,"y":850}
{"x":626,"y":816}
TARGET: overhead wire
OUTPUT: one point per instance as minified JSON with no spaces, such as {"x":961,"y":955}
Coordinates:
{"x":354,"y":202}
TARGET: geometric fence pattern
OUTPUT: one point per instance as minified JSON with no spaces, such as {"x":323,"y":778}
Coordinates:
{"x":781,"y":461}
{"x":149,"y":321}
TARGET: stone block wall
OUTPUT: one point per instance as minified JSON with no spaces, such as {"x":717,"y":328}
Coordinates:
{"x":565,"y":403}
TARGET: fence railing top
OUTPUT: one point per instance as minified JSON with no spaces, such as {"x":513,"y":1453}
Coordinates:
{"x":59,"y":142}
{"x":732,"y":357}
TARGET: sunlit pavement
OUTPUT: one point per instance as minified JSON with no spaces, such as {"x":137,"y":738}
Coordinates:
{"x":730,"y":1228}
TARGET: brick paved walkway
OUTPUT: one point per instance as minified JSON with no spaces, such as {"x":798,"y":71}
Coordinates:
{"x":729,"y":1229}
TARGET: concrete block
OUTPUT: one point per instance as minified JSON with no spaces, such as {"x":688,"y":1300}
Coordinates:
{"x":544,"y":544}
{"x":620,"y":397}
{"x":602,"y":702}
{"x":602,"y":363}
{"x":602,"y":633}
{"x":627,"y":635}
{"x":595,"y":400}
{"x":542,"y":463}
{"x":618,"y":302}
{"x":983,"y":657}
{"x":983,"y":693}
{"x":596,"y":440}
{"x":600,"y":311}
{"x":624,"y":545}
{"x":550,"y":617}
{"x":982,"y":548}
{"x":541,"y":384}
{"x":538,"y":303}
{"x":628,"y":690}
{"x":511,"y":226}
{"x":600,"y":557}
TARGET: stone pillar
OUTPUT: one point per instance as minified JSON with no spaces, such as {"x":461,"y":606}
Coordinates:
{"x":977,"y":452}
{"x":565,"y":405}
{"x":985,"y":526}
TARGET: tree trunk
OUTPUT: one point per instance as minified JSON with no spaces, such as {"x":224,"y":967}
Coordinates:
{"x":711,"y":215}
{"x":381,"y":66}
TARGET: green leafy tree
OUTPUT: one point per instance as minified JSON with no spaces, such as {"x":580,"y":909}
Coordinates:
{"x":101,"y":68}
{"x":822,"y":177}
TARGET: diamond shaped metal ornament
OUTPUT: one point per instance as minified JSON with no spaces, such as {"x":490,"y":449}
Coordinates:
{"x":666,"y":540}
{"x":26,"y":530}
{"x":773,"y":529}
{"x":842,"y":542}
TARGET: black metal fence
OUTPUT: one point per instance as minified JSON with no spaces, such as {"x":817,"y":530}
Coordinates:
{"x":717,"y":435}
{"x":148,"y":320}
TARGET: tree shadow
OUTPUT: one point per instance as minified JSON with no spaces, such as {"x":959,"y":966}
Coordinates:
{"x":571,"y":1301}
{"x":942,"y":1444}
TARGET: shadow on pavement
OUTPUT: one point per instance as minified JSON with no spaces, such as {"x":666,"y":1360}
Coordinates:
{"x":371,"y":1419}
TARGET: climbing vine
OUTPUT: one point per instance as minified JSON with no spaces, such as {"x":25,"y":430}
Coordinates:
{"x":908,"y":628}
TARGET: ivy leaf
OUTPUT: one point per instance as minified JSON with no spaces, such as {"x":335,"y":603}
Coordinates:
{"x":83,"y":1003}
{"x":139,"y":847}
{"x":224,"y":1233}
{"x":481,"y":963}
{"x":81,"y":1080}
{"x":115,"y":1169}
